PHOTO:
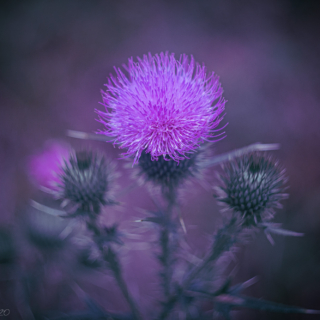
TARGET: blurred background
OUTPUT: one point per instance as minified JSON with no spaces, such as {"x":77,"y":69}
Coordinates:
{"x":55,"y":57}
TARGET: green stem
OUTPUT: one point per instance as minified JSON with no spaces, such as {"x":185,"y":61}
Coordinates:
{"x":224,"y":240}
{"x":110,"y":256}
{"x":165,"y":241}
{"x":165,"y":259}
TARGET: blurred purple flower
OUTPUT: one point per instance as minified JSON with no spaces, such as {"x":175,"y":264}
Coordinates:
{"x":165,"y":106}
{"x":44,"y":167}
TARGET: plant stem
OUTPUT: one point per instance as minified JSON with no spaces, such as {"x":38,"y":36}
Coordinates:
{"x":224,"y":240}
{"x":165,"y":259}
{"x":167,"y":230}
{"x":110,"y":256}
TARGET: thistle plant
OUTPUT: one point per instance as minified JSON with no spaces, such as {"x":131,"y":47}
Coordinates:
{"x":165,"y":113}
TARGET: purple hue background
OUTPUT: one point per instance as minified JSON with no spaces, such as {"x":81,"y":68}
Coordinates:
{"x":55,"y":57}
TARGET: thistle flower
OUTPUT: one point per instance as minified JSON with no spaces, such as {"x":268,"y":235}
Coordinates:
{"x":85,"y":181}
{"x":253,"y":185}
{"x":165,"y":107}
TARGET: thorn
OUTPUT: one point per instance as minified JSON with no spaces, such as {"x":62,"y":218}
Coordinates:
{"x":46,"y":209}
{"x":269,"y":237}
{"x":183,"y":225}
{"x":87,"y":136}
{"x":250,"y":282}
{"x":218,"y":159}
{"x":77,"y":134}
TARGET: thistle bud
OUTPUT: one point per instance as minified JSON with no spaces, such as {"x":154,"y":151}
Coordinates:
{"x":85,"y":181}
{"x":252,"y":185}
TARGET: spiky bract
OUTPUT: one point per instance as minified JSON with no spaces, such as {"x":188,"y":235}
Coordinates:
{"x":170,"y":174}
{"x":253,"y":185}
{"x":85,"y":181}
{"x":165,"y":107}
{"x":166,"y":173}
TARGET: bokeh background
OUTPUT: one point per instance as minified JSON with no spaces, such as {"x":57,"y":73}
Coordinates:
{"x":55,"y":57}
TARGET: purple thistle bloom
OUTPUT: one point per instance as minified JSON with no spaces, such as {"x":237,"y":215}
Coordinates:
{"x":165,"y":106}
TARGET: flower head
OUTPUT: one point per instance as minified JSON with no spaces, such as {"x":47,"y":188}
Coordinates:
{"x":253,"y":185}
{"x":85,"y":181}
{"x":165,"y":107}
